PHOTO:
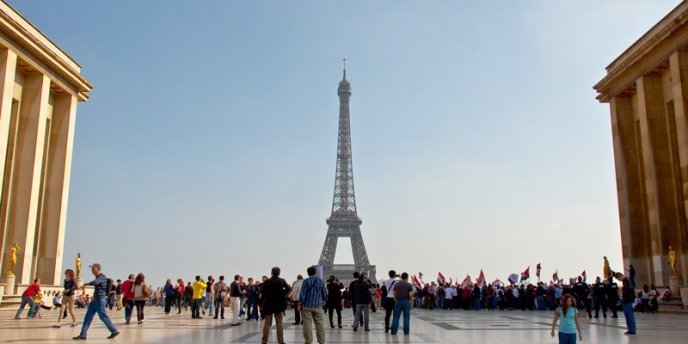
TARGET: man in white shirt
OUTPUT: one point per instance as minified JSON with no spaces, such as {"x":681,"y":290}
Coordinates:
{"x":389,"y":300}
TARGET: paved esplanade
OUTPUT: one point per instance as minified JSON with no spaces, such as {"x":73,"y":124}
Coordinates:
{"x":426,"y":327}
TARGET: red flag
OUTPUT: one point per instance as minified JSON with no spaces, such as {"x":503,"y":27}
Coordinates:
{"x":584,"y":276}
{"x":466,"y":281}
{"x":420,"y":275}
{"x":440,"y":278}
{"x":537,"y":271}
{"x":481,"y":279}
{"x":417,"y":283}
{"x":525,"y":274}
{"x":555,"y":276}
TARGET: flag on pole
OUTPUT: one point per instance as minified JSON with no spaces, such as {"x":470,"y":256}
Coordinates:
{"x":466,"y":281}
{"x":525,"y":274}
{"x":497,"y":282}
{"x":440,"y":278}
{"x":585,"y":278}
{"x":513,"y":278}
{"x":481,"y":279}
{"x":555,"y":276}
{"x":537,"y":271}
{"x":450,"y":281}
{"x":417,"y":283}
{"x":420,"y":275}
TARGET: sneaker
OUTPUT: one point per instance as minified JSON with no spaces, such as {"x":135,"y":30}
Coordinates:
{"x":113,"y":335}
{"x":79,"y":338}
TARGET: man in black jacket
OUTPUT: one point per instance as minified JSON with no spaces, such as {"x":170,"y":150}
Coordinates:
{"x":627,"y":300}
{"x":361,"y":293}
{"x":273,"y":303}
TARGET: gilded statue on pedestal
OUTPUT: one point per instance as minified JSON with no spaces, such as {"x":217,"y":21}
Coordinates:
{"x":78,"y":265}
{"x":13,"y":259}
{"x":672,"y":261}
{"x":607,"y":271}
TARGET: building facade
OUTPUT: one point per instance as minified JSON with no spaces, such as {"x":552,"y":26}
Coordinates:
{"x":647,"y":90}
{"x":40,"y":86}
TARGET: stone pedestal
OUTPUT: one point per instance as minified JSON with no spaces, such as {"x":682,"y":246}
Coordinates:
{"x":675,"y":285}
{"x":9,"y":281}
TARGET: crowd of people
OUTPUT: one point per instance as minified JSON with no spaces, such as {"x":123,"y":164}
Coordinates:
{"x":312,"y":298}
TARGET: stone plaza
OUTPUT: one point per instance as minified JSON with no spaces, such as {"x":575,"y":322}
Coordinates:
{"x":427,"y":326}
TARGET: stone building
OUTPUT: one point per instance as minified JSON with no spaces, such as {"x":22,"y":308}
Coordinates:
{"x":40,"y":86}
{"x":647,"y":90}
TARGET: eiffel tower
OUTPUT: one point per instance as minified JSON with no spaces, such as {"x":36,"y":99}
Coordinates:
{"x":344,"y":220}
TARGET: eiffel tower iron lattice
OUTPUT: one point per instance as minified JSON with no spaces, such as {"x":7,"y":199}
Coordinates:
{"x":344,"y":220}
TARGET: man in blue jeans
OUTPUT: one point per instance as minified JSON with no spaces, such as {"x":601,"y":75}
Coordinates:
{"x":403,"y":292}
{"x":627,"y":299}
{"x":100,"y":291}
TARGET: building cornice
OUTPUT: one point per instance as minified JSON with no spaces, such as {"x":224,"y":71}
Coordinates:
{"x":36,"y":46}
{"x":647,"y":53}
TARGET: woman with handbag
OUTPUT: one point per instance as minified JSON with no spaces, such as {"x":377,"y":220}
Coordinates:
{"x":141,"y":294}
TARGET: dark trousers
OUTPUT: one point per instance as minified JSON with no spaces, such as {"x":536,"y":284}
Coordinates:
{"x":196,"y":308}
{"x":297,"y":315}
{"x":220,"y":307}
{"x":389,"y":309}
{"x":128,"y":307}
{"x":140,"y":304}
{"x":168,"y":303}
{"x":330,"y":311}
{"x":252,"y":309}
{"x":179,"y":304}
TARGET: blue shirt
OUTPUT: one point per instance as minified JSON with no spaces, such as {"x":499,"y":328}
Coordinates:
{"x":100,"y":286}
{"x":169,"y":290}
{"x":313,"y":292}
{"x":567,"y":323}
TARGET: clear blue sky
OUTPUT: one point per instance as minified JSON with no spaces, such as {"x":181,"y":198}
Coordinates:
{"x":209,"y":142}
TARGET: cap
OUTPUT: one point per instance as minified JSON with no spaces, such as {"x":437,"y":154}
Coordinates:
{"x":95,"y":265}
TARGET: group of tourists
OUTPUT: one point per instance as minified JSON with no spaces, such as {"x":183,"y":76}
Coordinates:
{"x":312,"y":297}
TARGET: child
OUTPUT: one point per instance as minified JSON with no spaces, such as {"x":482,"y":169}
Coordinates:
{"x":568,"y":325}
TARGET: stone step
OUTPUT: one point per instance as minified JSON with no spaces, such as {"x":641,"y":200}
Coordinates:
{"x":12,"y":301}
{"x":673,"y":306}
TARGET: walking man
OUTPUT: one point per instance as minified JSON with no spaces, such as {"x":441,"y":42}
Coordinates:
{"x":311,"y":298}
{"x":273,"y":296}
{"x":97,"y":305}
{"x":128,"y":298}
{"x":627,"y":299}
{"x":363,"y":299}
{"x":388,"y":298}
{"x":403,"y":292}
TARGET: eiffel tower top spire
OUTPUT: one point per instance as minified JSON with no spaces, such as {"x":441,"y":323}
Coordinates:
{"x":344,"y":200}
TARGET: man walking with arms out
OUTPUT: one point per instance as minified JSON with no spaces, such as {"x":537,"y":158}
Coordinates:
{"x":403,"y":292}
{"x":311,"y":298}
{"x":97,"y":305}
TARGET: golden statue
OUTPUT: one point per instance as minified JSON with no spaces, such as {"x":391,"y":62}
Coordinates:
{"x":672,"y":261}
{"x":606,"y":269}
{"x":78,"y":265}
{"x":13,"y":259}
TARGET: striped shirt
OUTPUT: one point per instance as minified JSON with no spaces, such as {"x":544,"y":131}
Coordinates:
{"x":313,"y":292}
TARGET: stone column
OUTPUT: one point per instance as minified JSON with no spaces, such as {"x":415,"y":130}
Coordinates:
{"x":28,"y":163}
{"x":678,"y":66}
{"x":659,"y":176}
{"x":54,"y":215}
{"x":8,"y":64}
{"x":630,"y":189}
